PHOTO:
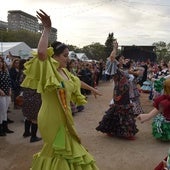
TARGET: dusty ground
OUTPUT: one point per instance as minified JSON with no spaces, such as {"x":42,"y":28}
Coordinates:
{"x":110,"y":153}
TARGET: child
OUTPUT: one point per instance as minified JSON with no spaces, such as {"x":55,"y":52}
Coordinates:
{"x":161,"y":114}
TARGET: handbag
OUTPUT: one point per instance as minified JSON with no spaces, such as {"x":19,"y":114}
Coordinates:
{"x":20,"y":99}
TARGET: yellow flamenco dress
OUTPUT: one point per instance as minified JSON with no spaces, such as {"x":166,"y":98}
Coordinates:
{"x":62,"y":149}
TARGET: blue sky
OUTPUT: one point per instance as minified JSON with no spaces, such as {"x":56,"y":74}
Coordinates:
{"x":82,"y":22}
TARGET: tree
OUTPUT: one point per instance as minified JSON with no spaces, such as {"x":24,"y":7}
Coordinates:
{"x":162,"y":50}
{"x":94,"y":51}
{"x":109,"y":44}
{"x":28,"y":37}
{"x":74,"y":48}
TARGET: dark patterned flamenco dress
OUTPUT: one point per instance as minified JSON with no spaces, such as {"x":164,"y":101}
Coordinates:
{"x":119,"y":119}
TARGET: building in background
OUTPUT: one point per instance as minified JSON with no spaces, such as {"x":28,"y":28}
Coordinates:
{"x":53,"y":33}
{"x":19,"y":20}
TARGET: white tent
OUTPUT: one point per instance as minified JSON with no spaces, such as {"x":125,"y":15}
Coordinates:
{"x":82,"y":56}
{"x":72,"y":55}
{"x":16,"y":49}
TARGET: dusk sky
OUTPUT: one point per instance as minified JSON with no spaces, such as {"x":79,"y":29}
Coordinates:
{"x":82,"y":22}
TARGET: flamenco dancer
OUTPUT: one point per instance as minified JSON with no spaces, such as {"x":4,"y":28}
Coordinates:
{"x":161,"y":115}
{"x":161,"y":121}
{"x":119,"y":119}
{"x":46,"y":72}
{"x":133,"y":75}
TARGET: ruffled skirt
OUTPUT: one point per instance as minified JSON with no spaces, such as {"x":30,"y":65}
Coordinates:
{"x":119,"y":120}
{"x":137,"y":108}
{"x":161,"y":128}
{"x":64,"y":154}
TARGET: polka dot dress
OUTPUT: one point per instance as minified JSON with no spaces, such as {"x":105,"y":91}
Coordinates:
{"x":5,"y":82}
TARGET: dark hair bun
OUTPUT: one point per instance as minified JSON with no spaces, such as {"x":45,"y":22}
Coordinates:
{"x":58,"y":47}
{"x":55,"y":44}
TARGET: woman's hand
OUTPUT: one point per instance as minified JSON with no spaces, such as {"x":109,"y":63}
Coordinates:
{"x":95,"y":92}
{"x":45,"y":19}
{"x":143,"y":117}
{"x":43,"y":42}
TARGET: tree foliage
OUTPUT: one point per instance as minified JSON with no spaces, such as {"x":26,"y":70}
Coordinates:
{"x":28,"y":37}
{"x":109,"y":44}
{"x":94,"y":51}
{"x":162,"y":51}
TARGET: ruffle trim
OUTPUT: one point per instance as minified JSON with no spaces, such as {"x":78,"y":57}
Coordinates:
{"x":65,"y":154}
{"x":161,"y":130}
{"x":121,"y":107}
{"x":58,"y":162}
{"x":77,"y":97}
{"x":42,"y":75}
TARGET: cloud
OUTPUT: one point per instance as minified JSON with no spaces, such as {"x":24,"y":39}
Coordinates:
{"x":81,"y":22}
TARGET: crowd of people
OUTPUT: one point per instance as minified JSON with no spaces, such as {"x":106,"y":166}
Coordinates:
{"x":54,"y":88}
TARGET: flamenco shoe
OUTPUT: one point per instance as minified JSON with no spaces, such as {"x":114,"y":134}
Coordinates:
{"x":80,"y":108}
{"x":110,"y":135}
{"x":130,"y":138}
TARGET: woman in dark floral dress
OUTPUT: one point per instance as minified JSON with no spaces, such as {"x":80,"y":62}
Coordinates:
{"x":133,"y":75}
{"x":119,"y":119}
{"x":30,"y":109}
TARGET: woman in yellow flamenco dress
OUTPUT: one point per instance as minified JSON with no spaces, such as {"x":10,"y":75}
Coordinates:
{"x":46,"y":72}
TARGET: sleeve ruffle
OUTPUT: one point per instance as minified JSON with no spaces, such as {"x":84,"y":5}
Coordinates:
{"x":77,"y":97}
{"x":42,"y":75}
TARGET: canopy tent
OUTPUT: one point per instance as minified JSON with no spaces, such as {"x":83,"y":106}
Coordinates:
{"x":82,"y":56}
{"x":20,"y":49}
{"x":72,"y":55}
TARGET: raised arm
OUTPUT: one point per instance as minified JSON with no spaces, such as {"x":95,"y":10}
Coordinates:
{"x":114,"y":51}
{"x":43,"y":42}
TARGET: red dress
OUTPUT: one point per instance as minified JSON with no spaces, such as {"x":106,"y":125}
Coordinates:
{"x":161,"y":165}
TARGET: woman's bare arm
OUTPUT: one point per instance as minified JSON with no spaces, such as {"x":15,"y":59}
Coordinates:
{"x":93,"y":90}
{"x":43,"y":42}
{"x":114,"y":51}
{"x":145,"y":117}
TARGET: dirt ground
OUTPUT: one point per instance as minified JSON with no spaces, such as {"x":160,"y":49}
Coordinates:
{"x":144,"y":153}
